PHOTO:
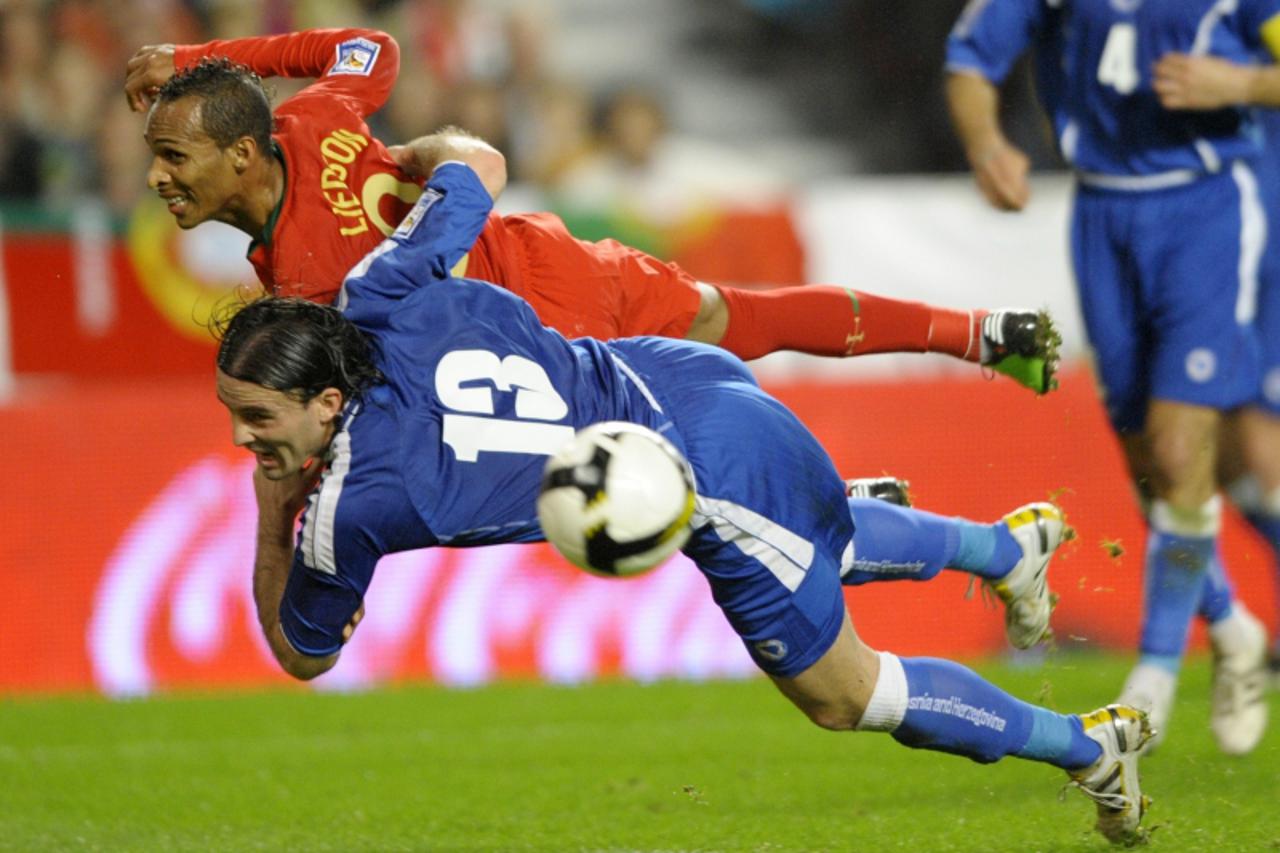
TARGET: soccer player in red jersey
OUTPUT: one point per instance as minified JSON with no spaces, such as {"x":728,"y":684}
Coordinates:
{"x":316,"y":192}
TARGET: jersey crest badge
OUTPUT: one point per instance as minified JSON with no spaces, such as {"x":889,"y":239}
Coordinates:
{"x":771,"y":649}
{"x":417,"y":213}
{"x":356,"y":56}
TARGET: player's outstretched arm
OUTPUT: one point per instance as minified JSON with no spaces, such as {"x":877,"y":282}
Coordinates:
{"x":999,"y":167}
{"x":279,"y":503}
{"x":421,"y":157}
{"x":358,"y":64}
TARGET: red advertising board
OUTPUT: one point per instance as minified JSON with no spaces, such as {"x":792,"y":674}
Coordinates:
{"x":128,"y":532}
{"x":126,"y":528}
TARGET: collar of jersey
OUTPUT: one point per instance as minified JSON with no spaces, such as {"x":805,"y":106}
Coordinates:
{"x":275,"y":211}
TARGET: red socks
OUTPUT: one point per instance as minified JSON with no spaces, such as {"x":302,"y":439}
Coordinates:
{"x":822,"y":319}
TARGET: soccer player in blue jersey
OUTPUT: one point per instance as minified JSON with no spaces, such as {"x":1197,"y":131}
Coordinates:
{"x":425,"y":407}
{"x":1251,"y":448}
{"x":1167,"y":234}
{"x":1254,"y":481}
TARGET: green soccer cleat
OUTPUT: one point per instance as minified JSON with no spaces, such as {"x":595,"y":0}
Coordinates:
{"x":1022,"y":345}
{"x":1112,"y":781}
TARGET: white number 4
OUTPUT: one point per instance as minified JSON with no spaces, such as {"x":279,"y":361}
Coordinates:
{"x":1118,"y":67}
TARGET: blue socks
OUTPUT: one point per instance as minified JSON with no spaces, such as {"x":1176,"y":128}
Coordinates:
{"x":1180,"y":549}
{"x":1269,"y":526}
{"x":898,"y":543}
{"x":986,"y":550}
{"x":950,"y":708}
{"x":1216,"y":592}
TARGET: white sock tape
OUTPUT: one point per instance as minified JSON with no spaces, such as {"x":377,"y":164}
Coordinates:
{"x":1202,"y":521}
{"x":888,"y":703}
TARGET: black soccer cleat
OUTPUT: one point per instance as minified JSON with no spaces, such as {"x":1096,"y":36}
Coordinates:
{"x":1023,"y":345}
{"x":887,"y":489}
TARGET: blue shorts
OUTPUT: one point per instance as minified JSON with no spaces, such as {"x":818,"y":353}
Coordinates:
{"x":772,"y":523}
{"x":1268,"y":328}
{"x":1168,"y":283}
{"x":1268,"y":321}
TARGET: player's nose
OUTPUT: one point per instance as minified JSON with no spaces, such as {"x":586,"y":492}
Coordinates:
{"x":157,"y":177}
{"x":241,"y":435}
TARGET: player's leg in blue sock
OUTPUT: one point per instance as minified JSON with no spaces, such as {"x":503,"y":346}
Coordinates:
{"x":930,"y":703}
{"x":1181,"y":547}
{"x":896,"y":543}
{"x":1262,"y":510}
{"x":1216,"y":591}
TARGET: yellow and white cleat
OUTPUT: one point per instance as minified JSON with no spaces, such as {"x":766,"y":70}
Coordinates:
{"x":1038,"y":529}
{"x":1112,"y":781}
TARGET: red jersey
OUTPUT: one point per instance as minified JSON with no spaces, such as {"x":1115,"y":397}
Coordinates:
{"x":343,"y":194}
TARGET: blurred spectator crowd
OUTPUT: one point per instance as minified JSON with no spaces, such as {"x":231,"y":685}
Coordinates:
{"x":66,"y":131}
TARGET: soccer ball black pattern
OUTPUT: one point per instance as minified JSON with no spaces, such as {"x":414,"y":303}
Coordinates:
{"x":617,"y":499}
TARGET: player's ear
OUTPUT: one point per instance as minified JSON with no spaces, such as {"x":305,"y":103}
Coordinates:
{"x":330,"y":402}
{"x":243,"y":152}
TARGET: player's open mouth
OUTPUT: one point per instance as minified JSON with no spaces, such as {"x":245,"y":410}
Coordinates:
{"x":176,"y":204}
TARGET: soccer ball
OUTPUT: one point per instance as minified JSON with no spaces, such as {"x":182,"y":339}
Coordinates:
{"x":617,"y":499}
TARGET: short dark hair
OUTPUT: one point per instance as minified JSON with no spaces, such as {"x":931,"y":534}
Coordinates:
{"x":234,"y":102}
{"x":295,"y":346}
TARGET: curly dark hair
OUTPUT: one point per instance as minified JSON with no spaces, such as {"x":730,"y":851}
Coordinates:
{"x":295,"y":346}
{"x":234,"y":101}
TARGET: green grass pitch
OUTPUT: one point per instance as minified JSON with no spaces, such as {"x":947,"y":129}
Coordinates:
{"x":611,"y":767}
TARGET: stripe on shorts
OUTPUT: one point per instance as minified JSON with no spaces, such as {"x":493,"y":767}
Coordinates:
{"x":787,"y":555}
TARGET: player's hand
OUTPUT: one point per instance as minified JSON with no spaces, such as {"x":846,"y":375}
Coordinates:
{"x":1184,"y":82}
{"x":146,"y":72}
{"x":405,"y":157}
{"x":350,"y":627}
{"x":1001,"y":172}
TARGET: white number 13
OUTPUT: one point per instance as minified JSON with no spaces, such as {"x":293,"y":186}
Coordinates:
{"x":1118,"y":67}
{"x":536,"y":403}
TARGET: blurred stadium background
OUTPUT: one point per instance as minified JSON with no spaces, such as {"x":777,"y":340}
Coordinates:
{"x":757,"y":142}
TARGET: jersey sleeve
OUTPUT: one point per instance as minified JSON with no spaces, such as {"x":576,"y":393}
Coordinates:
{"x":433,"y":236}
{"x":359,"y":513}
{"x":357,"y":65}
{"x":990,"y":35}
{"x":315,"y":609}
{"x":332,"y":567}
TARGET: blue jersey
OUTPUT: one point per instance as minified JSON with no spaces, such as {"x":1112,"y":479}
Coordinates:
{"x":1095,"y":62}
{"x":450,"y":449}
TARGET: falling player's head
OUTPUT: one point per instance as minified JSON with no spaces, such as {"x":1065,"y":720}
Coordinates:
{"x":209,"y":130}
{"x":286,"y":369}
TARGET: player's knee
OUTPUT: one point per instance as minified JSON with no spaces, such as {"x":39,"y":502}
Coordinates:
{"x":713,"y":316}
{"x":1178,"y":455}
{"x":835,"y":716}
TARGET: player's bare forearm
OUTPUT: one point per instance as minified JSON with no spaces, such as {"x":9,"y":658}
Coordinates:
{"x":278,"y":506}
{"x":421,"y":156}
{"x":974,"y":103}
{"x":1186,"y":82}
{"x":270,"y":573}
{"x":999,"y":168}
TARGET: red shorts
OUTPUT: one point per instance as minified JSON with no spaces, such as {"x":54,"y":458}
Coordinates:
{"x":600,"y":290}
